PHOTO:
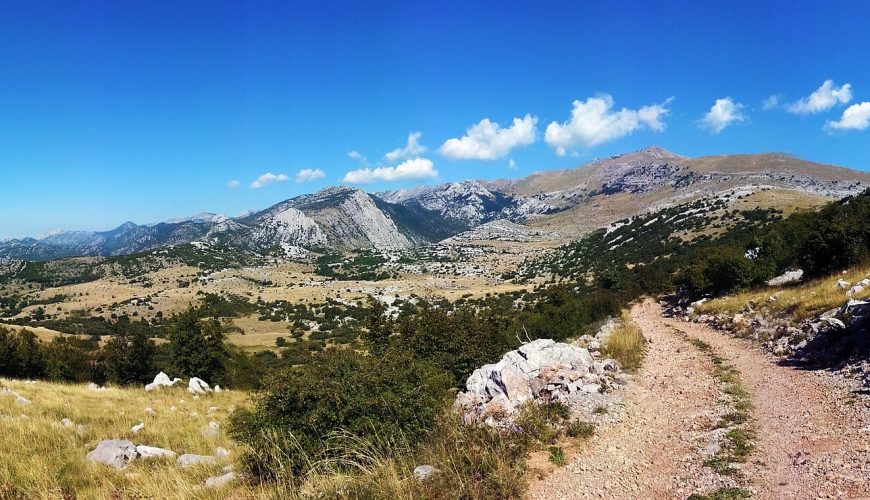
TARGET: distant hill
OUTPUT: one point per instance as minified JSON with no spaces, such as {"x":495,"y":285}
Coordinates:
{"x":567,"y":202}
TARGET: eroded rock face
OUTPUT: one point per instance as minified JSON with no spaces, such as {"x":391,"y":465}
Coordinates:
{"x":542,"y":370}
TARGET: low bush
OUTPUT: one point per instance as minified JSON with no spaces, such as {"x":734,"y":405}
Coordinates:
{"x":379,"y":400}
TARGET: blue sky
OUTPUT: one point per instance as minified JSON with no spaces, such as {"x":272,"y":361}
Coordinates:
{"x":117,"y":110}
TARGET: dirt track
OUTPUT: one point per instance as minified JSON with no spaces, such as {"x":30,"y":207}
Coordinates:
{"x":813,"y":439}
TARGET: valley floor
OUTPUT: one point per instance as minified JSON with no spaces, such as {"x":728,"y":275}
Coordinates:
{"x":812,"y":438}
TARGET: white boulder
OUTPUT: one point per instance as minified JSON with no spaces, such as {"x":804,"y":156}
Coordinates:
{"x":116,"y":453}
{"x":161,"y":380}
{"x":198,"y":386}
{"x":786,"y":278}
{"x":137,"y":428}
{"x":148,"y":452}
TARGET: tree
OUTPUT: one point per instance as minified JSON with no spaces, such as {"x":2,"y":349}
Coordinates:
{"x":129,"y":359}
{"x":196,"y":347}
{"x":378,"y":327}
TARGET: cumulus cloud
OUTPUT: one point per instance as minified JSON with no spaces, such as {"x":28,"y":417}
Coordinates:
{"x":412,"y":148}
{"x":268,"y":178}
{"x":594,"y":122}
{"x":309,"y":174}
{"x":415,"y":168}
{"x":723,"y":113}
{"x":486,"y":140}
{"x":233,"y":184}
{"x":855,"y":117}
{"x":770,"y":103}
{"x":824,"y":98}
{"x":512,"y":165}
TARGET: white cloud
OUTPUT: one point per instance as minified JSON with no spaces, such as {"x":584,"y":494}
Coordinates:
{"x":593,"y":122}
{"x":268,"y":178}
{"x":512,"y":165}
{"x":723,"y":113}
{"x":416,"y":168}
{"x":233,"y":184}
{"x":356,"y":155}
{"x":412,"y":148}
{"x":855,"y":117}
{"x":309,"y":174}
{"x":486,"y":140}
{"x":770,"y":103}
{"x":824,"y":98}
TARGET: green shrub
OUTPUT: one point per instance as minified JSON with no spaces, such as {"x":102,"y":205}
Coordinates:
{"x":375,"y":399}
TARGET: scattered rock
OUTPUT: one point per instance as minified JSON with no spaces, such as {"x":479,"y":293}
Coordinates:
{"x":221,"y":453}
{"x":148,"y":452}
{"x":786,"y":278}
{"x":190,"y":459}
{"x":22,"y":401}
{"x":212,"y":430}
{"x":116,"y":453}
{"x":94,"y":387}
{"x":198,"y":386}
{"x":424,"y":472}
{"x":137,"y":428}
{"x":220,"y":481}
{"x":150,"y":411}
{"x":67,"y":423}
{"x":161,"y":380}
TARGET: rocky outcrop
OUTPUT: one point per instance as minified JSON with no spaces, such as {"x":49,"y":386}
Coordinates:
{"x":835,"y":340}
{"x":541,"y":370}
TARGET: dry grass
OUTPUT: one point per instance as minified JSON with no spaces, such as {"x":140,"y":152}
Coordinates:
{"x":41,"y":458}
{"x":626,"y":344}
{"x":795,"y":302}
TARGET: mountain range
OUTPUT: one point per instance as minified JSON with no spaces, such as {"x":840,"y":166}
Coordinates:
{"x":569,"y":201}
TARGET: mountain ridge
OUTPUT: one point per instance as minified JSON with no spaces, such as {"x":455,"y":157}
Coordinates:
{"x":570,"y":201}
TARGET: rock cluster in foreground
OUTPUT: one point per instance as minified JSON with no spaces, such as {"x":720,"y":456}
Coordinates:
{"x":541,"y":370}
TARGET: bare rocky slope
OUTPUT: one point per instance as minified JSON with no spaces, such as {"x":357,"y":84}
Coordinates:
{"x":565,"y":202}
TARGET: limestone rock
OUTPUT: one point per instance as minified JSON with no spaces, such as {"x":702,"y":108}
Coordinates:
{"x":114,"y":452}
{"x":147,"y":452}
{"x":198,"y":386}
{"x":424,"y":472}
{"x":190,"y":459}
{"x":220,"y":481}
{"x":161,"y":380}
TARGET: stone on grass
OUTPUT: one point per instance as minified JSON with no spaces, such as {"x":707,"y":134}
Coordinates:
{"x":190,"y":459}
{"x":424,"y":472}
{"x":115,"y":453}
{"x":161,"y":380}
{"x":137,"y":428}
{"x":198,"y":386}
{"x":220,"y":481}
{"x":147,"y":452}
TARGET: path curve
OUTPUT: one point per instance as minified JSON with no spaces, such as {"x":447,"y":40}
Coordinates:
{"x":813,"y":436}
